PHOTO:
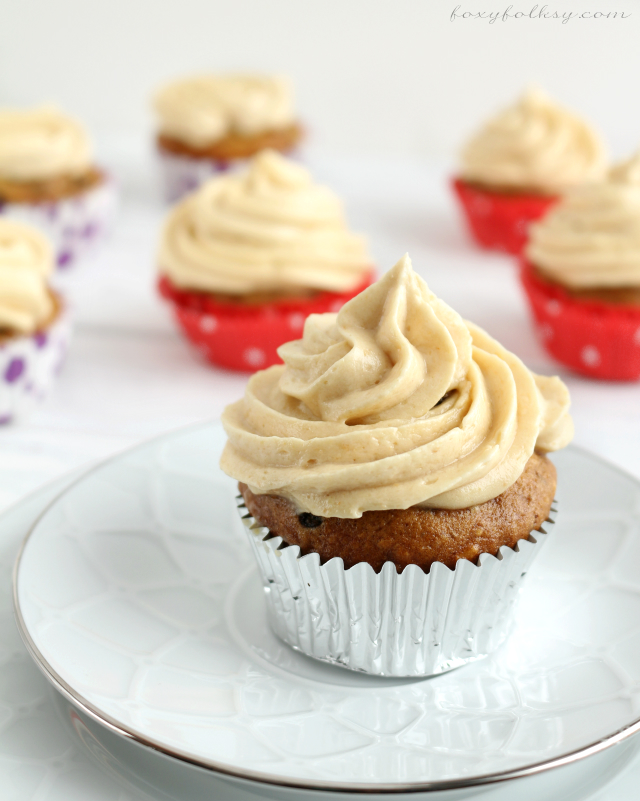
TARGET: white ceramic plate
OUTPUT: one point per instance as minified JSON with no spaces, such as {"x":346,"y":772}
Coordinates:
{"x":52,"y":751}
{"x":137,"y":596}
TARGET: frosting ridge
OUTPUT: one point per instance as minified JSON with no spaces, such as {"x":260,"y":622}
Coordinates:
{"x":267,"y":229}
{"x":26,"y":259}
{"x":591,"y":238}
{"x":534,"y":145}
{"x":202,"y":109}
{"x":41,"y":143}
{"x":394,"y":402}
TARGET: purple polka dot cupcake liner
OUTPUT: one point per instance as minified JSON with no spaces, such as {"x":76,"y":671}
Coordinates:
{"x":181,"y":175}
{"x":28,"y":367}
{"x":73,"y":225}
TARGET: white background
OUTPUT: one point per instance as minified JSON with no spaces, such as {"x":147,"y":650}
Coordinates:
{"x":372,"y":76}
{"x":388,"y":90}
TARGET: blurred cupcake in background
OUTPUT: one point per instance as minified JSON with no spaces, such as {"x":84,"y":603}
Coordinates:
{"x":211,"y":123}
{"x":34,"y":323}
{"x":48,"y":179}
{"x":516,"y":167}
{"x":581,"y":272}
{"x":246,"y":258}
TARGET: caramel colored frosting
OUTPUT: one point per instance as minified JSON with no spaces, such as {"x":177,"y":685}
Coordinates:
{"x":26,"y":260}
{"x":591,"y":239}
{"x":41,"y":143}
{"x":627,"y":172}
{"x":534,"y":145}
{"x":203,"y":109}
{"x":269,"y":229}
{"x":394,"y":402}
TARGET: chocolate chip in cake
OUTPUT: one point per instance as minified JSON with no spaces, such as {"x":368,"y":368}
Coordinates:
{"x":310,"y":521}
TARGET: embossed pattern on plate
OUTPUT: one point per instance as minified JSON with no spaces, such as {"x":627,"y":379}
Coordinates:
{"x":138,"y":590}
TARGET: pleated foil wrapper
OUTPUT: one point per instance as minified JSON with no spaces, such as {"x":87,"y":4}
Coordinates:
{"x":389,"y":623}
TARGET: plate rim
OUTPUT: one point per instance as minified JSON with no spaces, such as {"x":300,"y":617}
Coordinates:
{"x":385,"y":788}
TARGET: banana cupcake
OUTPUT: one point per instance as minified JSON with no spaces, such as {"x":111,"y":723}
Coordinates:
{"x":394,"y":481}
{"x":581,"y":273}
{"x":48,"y":179}
{"x":211,"y":123}
{"x":248,"y":256}
{"x":518,"y":165}
{"x":34,"y":323}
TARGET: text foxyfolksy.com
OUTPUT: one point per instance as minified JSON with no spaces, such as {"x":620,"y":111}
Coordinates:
{"x":541,"y":12}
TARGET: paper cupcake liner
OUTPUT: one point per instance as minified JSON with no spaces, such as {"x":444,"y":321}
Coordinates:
{"x":28,"y":367}
{"x":500,"y":221}
{"x":596,"y":339}
{"x":74,"y":224}
{"x":180,"y":175}
{"x":244,"y":337}
{"x":389,"y":623}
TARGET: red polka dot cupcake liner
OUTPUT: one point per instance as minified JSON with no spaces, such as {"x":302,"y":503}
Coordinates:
{"x":500,"y":221}
{"x":28,"y":367}
{"x":599,"y":340}
{"x":245,"y":337}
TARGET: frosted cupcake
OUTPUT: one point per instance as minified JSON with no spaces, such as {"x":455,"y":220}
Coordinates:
{"x":518,"y":165}
{"x":581,"y":273}
{"x":211,"y":123}
{"x":394,"y":481}
{"x":48,"y":179}
{"x":34,"y":324}
{"x":248,"y":256}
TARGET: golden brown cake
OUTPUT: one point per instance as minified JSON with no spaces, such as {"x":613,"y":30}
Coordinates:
{"x":395,"y":431}
{"x":416,"y":536}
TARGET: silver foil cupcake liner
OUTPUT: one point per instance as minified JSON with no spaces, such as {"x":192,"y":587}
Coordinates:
{"x":389,"y":623}
{"x":73,"y":225}
{"x":28,"y":367}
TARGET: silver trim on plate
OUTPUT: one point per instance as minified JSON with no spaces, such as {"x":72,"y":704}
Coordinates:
{"x":264,"y":778}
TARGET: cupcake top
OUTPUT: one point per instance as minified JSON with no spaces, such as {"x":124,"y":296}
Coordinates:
{"x":205,"y":108}
{"x":626,"y":172}
{"x":42,"y":143}
{"x":591,"y":239}
{"x":534,"y":145}
{"x":26,"y":259}
{"x":268,"y":229}
{"x":394,"y":402}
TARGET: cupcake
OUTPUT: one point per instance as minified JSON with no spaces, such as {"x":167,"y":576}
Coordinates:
{"x":394,"y":481}
{"x":34,"y":324}
{"x":48,"y":179}
{"x":248,"y":256}
{"x":515,"y":168}
{"x":211,"y":123}
{"x":581,"y":273}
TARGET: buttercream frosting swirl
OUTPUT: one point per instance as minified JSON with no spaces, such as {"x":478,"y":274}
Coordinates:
{"x":534,"y":145}
{"x":268,"y":229}
{"x":626,"y":172}
{"x":591,"y":238}
{"x":42,"y":143}
{"x":392,"y":403}
{"x":203,"y":109}
{"x":26,"y":259}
